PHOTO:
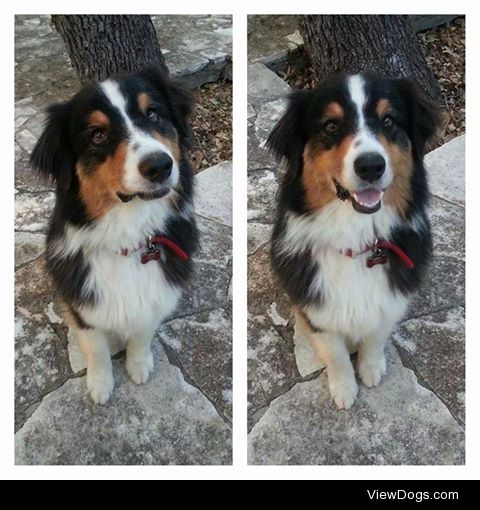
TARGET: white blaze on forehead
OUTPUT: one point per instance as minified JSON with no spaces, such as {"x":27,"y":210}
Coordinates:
{"x":364,"y":140}
{"x":356,"y":88}
{"x":140,"y":143}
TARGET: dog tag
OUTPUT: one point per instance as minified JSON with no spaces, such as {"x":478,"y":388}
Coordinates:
{"x":151,"y":254}
{"x":378,"y":256}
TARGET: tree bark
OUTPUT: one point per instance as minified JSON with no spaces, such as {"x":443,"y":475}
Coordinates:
{"x":385,"y":45}
{"x":100,"y":46}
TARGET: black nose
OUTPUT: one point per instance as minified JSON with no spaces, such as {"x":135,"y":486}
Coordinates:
{"x":157,"y":167}
{"x":370,"y":166}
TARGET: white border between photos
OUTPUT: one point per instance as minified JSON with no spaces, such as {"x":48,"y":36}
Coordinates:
{"x":240,"y":470}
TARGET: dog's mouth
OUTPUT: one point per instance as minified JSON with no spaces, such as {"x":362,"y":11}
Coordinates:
{"x":144,"y":195}
{"x":365,"y":201}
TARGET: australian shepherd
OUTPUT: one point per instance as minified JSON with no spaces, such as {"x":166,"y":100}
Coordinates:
{"x":352,"y":239}
{"x":122,"y":233}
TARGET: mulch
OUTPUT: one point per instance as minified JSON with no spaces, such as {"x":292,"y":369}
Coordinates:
{"x":444,"y":50}
{"x":212,"y":125}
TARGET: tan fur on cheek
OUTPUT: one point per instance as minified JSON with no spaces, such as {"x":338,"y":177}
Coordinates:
{"x":399,"y":193}
{"x":99,"y":186}
{"x":319,"y":170}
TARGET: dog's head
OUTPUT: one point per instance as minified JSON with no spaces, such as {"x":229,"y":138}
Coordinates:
{"x":121,"y":138}
{"x":355,"y":137}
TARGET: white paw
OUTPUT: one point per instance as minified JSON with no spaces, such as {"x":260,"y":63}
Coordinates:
{"x":343,"y":389}
{"x":371,"y":371}
{"x":140,"y":369}
{"x":100,"y":384}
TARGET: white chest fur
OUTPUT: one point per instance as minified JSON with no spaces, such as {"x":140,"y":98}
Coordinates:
{"x":129,"y":294}
{"x":357,"y":301}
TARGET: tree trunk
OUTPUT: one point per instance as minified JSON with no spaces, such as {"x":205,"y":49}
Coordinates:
{"x":100,"y":46}
{"x":385,"y":45}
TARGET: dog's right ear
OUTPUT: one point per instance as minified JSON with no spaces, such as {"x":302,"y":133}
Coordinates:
{"x":288,"y":139}
{"x":52,"y":155}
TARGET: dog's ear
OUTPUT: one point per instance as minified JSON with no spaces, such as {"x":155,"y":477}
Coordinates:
{"x":52,"y":155}
{"x":180,"y":100}
{"x":425,"y":118}
{"x":287,"y":140}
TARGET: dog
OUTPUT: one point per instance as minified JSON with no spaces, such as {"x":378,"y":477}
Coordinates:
{"x":351,"y":240}
{"x":122,"y":233}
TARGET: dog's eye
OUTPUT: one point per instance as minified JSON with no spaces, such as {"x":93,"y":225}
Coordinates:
{"x":331,"y":126}
{"x":152,"y":114}
{"x":99,"y":137}
{"x":388,"y":121}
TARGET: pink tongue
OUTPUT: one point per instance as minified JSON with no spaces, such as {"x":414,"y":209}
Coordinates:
{"x":369,"y":196}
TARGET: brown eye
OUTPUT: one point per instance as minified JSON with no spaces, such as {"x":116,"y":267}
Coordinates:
{"x":99,"y":137}
{"x":152,"y":114}
{"x":331,"y":126}
{"x":388,"y":121}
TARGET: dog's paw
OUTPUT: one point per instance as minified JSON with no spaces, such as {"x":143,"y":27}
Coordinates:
{"x":343,"y":390}
{"x":140,"y":369}
{"x":100,"y":384}
{"x":371,"y":372}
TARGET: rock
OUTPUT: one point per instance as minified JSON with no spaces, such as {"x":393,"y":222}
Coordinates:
{"x":165,"y":421}
{"x":438,"y":290}
{"x":251,"y":114}
{"x":41,"y":359}
{"x":446,"y":171}
{"x":258,"y":236}
{"x":433,"y":346}
{"x":214,"y":192}
{"x":28,"y":247}
{"x":307,"y":361}
{"x":271,"y":363}
{"x":262,"y":191}
{"x":399,"y":422}
{"x":265,"y":86}
{"x":201,"y":345}
{"x":32,"y":211}
{"x":26,"y":140}
{"x":268,"y":115}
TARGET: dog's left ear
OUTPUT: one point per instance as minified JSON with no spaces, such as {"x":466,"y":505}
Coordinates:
{"x":425,"y":118}
{"x":180,"y":100}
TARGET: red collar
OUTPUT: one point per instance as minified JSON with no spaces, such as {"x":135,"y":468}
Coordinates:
{"x":152,"y":245}
{"x":379,"y":254}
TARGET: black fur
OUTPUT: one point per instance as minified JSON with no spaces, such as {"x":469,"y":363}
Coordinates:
{"x":416,"y":121}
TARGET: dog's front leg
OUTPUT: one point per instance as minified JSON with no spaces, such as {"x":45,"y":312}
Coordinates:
{"x":332,"y":348}
{"x":372,"y":364}
{"x":139,"y":354}
{"x":95,"y":347}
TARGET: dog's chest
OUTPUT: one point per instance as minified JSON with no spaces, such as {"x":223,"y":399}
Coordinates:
{"x":129,"y":294}
{"x":357,"y":301}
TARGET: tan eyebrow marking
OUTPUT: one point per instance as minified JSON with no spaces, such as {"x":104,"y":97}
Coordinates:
{"x":98,"y":118}
{"x":143,"y":101}
{"x":382,"y":107}
{"x":334,"y":110}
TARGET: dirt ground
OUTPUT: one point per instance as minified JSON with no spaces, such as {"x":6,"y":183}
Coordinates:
{"x":212,"y":125}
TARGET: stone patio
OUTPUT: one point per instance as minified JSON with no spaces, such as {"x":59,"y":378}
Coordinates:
{"x":416,"y":415}
{"x":183,"y":414}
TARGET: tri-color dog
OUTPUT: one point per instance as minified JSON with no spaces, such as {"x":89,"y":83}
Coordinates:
{"x":352,"y":239}
{"x":122,"y":233}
